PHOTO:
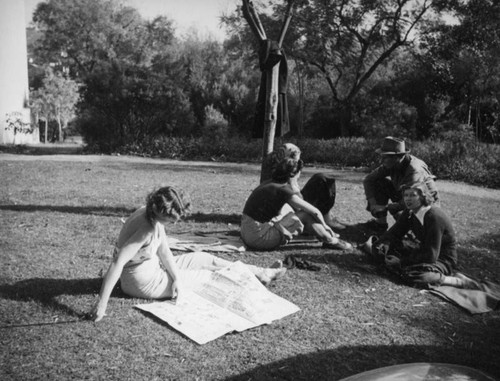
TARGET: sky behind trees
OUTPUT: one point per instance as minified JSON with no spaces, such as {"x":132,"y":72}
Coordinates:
{"x":200,"y":14}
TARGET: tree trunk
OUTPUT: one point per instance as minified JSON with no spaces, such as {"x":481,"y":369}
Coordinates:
{"x":345,"y":115}
{"x":272,"y":75}
{"x":300,"y":83}
{"x":46,"y":124}
{"x":271,"y":111}
{"x":59,"y":127}
{"x":478,"y":122}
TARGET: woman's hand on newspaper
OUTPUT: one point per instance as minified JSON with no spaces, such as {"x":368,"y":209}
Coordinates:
{"x":175,"y":290}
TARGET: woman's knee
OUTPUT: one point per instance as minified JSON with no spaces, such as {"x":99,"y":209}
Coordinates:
{"x":305,"y":218}
{"x":205,"y":258}
{"x":268,"y":241}
{"x":195,"y":260}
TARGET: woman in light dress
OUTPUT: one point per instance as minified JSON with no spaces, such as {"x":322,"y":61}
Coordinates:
{"x":144,"y":264}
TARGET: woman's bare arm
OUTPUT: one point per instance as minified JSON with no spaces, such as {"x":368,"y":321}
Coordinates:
{"x":167,"y":259}
{"x":125,"y":254}
{"x":298,"y":203}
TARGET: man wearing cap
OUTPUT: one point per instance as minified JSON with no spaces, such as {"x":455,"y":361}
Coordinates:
{"x":385,"y":183}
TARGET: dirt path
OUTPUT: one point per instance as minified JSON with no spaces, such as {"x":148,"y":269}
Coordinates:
{"x":444,"y":185}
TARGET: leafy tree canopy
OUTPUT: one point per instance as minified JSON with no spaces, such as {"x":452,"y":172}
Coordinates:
{"x":81,"y":34}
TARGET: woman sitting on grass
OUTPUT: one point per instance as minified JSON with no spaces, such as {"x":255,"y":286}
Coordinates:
{"x":275,"y":213}
{"x":428,"y":256}
{"x":142,"y":248}
{"x":319,"y":191}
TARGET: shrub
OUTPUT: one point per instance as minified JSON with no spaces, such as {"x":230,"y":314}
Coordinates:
{"x":464,"y":160}
{"x":448,"y":158}
{"x":341,"y":152}
{"x":215,"y":126}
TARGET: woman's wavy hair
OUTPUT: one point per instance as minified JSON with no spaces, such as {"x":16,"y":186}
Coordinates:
{"x":167,"y":202}
{"x":283,"y":152}
{"x":422,"y":191}
{"x":286,"y":169}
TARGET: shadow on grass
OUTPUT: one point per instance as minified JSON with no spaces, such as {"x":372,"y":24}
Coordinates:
{"x":489,"y":241}
{"x":43,"y":149}
{"x":183,"y":167}
{"x":215,"y":217}
{"x":91,"y":210}
{"x":346,"y":361}
{"x":46,"y":291}
{"x":480,"y":261}
{"x":117,"y":211}
{"x":356,"y":262}
{"x":356,"y":233}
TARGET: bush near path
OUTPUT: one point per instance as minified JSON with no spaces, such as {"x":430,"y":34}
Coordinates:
{"x":454,"y":158}
{"x":450,"y":158}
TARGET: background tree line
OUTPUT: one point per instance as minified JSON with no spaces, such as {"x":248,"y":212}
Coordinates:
{"x":356,"y":68}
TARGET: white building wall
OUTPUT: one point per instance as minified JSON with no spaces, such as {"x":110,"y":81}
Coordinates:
{"x":14,"y":91}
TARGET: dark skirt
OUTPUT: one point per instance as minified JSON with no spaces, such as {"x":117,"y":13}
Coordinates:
{"x":320,"y":192}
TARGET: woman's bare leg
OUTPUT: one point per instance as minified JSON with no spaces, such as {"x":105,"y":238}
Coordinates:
{"x":204,"y":261}
{"x":311,"y":226}
{"x":460,"y":281}
{"x":200,"y":260}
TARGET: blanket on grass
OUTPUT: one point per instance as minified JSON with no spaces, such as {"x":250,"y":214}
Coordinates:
{"x":484,"y":297}
{"x":481,"y":297}
{"x":227,"y":241}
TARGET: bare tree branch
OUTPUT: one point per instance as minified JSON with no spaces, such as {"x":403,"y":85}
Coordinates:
{"x":286,"y":23}
{"x":253,"y":20}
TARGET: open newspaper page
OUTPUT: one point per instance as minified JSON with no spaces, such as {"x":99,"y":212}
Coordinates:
{"x":197,"y":318}
{"x":236,"y":289}
{"x":231,"y":300}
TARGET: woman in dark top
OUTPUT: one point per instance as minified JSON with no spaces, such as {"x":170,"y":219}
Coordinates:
{"x":320,"y":190}
{"x":430,"y":255}
{"x":275,"y":212}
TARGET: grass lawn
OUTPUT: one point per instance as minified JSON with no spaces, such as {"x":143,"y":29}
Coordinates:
{"x":60,"y":216}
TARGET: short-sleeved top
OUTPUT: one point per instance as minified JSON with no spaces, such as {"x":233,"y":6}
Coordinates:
{"x":267,"y":199}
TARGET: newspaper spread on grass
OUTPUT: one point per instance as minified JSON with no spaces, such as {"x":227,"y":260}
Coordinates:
{"x":232,"y":299}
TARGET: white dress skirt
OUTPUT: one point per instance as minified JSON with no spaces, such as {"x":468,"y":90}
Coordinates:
{"x":144,"y":277}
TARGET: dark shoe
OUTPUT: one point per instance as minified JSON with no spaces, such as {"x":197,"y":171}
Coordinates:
{"x":276,"y":265}
{"x":305,"y":265}
{"x":293,"y":262}
{"x":340,"y":245}
{"x":290,"y":261}
{"x":376,"y":226}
